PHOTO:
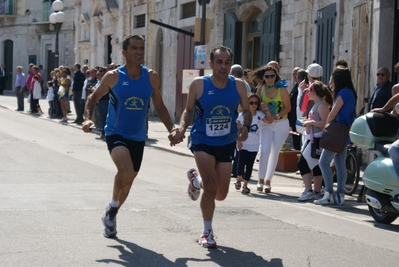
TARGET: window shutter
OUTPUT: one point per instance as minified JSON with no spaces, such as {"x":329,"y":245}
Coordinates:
{"x":233,"y":35}
{"x":270,"y":34}
{"x":325,"y":40}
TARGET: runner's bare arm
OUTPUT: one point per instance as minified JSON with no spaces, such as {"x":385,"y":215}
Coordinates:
{"x":243,"y":131}
{"x":107,"y":82}
{"x":194,"y":92}
{"x":159,"y":105}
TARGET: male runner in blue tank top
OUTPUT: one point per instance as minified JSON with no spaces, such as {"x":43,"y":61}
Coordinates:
{"x":215,"y":99}
{"x":130,"y":87}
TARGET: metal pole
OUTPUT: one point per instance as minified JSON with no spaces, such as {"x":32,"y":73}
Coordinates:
{"x":202,"y":39}
{"x":57,"y":27}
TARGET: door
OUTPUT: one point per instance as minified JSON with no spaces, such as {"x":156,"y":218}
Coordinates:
{"x":8,"y":62}
{"x":185,"y":60}
{"x":52,"y":62}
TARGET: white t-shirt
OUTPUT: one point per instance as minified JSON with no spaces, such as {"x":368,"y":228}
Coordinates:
{"x":253,"y":140}
{"x":50,"y":94}
{"x":299,"y":113}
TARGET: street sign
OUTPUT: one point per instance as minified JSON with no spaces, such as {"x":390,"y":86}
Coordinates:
{"x":199,"y":57}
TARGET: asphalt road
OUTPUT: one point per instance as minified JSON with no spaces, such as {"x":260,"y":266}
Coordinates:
{"x":55,"y":182}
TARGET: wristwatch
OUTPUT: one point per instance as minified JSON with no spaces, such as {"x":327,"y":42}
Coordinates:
{"x":170,"y":128}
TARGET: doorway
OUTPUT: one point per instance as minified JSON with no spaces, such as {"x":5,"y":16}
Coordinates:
{"x":8,"y":62}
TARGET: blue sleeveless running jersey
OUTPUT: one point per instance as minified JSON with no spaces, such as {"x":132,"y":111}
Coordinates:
{"x":216,"y":114}
{"x":128,"y":106}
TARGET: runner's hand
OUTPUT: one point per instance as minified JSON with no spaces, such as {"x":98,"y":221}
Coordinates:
{"x":86,"y":126}
{"x":176,"y":136}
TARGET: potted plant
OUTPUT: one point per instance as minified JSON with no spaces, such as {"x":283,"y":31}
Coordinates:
{"x":287,"y":159}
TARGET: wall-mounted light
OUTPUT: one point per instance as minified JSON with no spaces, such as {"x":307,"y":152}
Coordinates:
{"x":27,"y":12}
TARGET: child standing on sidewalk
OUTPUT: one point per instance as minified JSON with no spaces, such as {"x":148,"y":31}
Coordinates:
{"x":50,"y":99}
{"x":37,"y":94}
{"x":248,"y":149}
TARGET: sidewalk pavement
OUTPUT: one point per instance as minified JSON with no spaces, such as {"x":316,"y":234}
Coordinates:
{"x":157,"y":133}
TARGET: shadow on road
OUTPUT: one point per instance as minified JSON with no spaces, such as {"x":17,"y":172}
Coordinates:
{"x":133,"y":255}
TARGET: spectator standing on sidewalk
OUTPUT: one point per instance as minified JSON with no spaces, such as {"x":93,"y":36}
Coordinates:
{"x":343,"y":111}
{"x":248,"y":149}
{"x":314,"y":124}
{"x":132,"y":85}
{"x":28,"y":85}
{"x":20,"y":88}
{"x":296,"y":139}
{"x":275,"y":127}
{"x":77,"y":87}
{"x":50,"y":99}
{"x":63,"y":92}
{"x":37,"y":94}
{"x":214,"y":98}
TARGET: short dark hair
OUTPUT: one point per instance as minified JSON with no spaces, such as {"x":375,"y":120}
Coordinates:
{"x":77,"y":65}
{"x":126,"y":40}
{"x":301,"y":74}
{"x":220,"y":48}
{"x":341,"y":62}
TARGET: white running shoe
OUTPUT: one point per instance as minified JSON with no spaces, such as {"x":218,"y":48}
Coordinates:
{"x":192,"y":191}
{"x":109,"y":221}
{"x":327,"y":199}
{"x":207,"y":240}
{"x":339,"y":198}
{"x":307,"y":195}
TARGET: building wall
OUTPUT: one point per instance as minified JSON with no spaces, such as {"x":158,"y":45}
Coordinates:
{"x":88,"y":24}
{"x":32,"y":34}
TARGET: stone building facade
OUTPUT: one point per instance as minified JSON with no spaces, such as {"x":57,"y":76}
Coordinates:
{"x":293,"y":32}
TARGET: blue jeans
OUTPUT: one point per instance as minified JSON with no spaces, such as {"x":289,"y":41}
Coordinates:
{"x":394,"y":154}
{"x":340,"y":166}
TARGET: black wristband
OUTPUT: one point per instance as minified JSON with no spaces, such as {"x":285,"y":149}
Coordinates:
{"x":247,"y":127}
{"x":170,"y":128}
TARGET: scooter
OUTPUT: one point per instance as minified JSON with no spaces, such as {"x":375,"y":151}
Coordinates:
{"x":376,"y":132}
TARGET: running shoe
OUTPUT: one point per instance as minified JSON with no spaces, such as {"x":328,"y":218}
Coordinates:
{"x":192,"y":191}
{"x":307,"y":195}
{"x":207,"y":240}
{"x":109,"y":221}
{"x":327,"y":199}
{"x":339,"y":198}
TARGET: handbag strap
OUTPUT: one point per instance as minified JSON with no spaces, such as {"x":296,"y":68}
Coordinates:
{"x":311,"y":132}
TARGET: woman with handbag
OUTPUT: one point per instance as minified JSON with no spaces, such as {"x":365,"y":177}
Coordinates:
{"x":311,"y":151}
{"x":342,"y":116}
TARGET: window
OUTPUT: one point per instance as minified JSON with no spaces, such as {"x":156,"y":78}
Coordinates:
{"x":188,"y":10}
{"x":7,"y":7}
{"x":139,"y":21}
{"x":46,"y":10}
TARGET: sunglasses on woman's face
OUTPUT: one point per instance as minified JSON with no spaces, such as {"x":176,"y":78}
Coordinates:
{"x":271,"y":76}
{"x":253,"y":103}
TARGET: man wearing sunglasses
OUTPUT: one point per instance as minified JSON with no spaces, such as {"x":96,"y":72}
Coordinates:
{"x":382,"y":91}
